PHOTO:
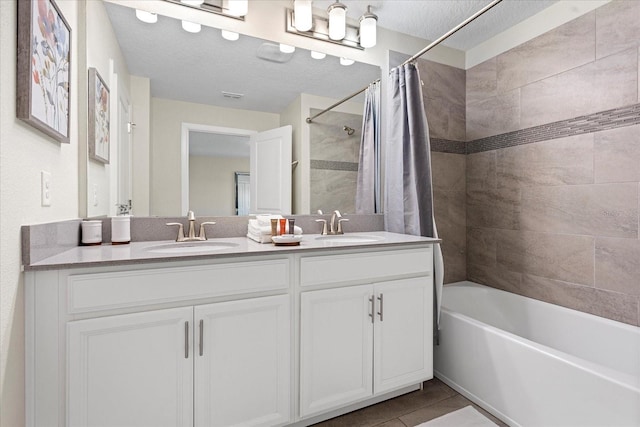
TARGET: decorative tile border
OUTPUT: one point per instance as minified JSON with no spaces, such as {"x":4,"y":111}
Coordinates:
{"x":334,"y":166}
{"x":609,"y":119}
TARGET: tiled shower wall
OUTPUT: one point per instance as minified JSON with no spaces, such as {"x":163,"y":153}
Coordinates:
{"x":557,"y":219}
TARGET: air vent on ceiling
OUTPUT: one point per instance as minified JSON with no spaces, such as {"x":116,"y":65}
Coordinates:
{"x":232,"y":95}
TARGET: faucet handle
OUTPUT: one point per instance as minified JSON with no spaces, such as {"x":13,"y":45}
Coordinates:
{"x":340,"y":221}
{"x":202,"y":235}
{"x":191,"y":216}
{"x":180,"y":237}
{"x":324,"y":226}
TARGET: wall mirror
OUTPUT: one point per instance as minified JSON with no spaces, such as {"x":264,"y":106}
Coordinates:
{"x":207,"y":91}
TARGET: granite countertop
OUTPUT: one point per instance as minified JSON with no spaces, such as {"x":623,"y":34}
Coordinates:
{"x":152,"y":251}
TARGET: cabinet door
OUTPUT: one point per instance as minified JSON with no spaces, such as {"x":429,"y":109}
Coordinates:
{"x":131,"y":370}
{"x":336,"y":348}
{"x":403,"y":333}
{"x":242,"y":364}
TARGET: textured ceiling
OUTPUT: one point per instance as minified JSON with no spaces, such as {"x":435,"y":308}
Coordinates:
{"x":430,"y":19}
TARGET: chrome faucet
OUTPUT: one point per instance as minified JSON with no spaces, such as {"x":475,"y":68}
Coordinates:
{"x":335,"y":225}
{"x":191,"y":236}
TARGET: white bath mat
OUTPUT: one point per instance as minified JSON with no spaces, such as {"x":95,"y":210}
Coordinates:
{"x":465,"y":417}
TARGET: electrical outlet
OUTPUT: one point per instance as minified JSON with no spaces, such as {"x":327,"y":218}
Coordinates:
{"x":95,"y":194}
{"x":45,"y":188}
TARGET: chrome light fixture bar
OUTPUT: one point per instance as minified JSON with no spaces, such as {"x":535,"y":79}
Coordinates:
{"x":320,"y":31}
{"x":211,"y":6}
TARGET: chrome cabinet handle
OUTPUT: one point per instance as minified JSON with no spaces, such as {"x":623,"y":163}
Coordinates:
{"x":186,"y":339}
{"x":201,"y":343}
{"x":373,"y":308}
{"x":380,"y":313}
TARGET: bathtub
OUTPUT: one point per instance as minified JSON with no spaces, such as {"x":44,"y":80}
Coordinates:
{"x":531,"y":363}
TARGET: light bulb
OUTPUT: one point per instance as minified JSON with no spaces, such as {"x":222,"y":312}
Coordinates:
{"x":285,"y":48}
{"x":368,"y":29}
{"x":318,"y":55}
{"x":237,"y":7}
{"x":148,"y":17}
{"x":337,"y":21}
{"x":191,"y":27}
{"x":192,"y":2}
{"x":346,"y":61}
{"x":230,"y":35}
{"x":303,"y":16}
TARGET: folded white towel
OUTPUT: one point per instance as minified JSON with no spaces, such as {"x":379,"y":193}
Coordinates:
{"x":265,"y":219}
{"x":255,"y":228}
{"x":260,"y":238}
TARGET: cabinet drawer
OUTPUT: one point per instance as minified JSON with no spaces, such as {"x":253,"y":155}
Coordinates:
{"x":103,"y":291}
{"x":370,"y":266}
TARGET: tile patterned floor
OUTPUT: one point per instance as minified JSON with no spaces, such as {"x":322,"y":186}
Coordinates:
{"x":409,"y":410}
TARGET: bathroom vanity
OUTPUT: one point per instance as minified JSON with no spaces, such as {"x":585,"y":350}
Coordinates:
{"x":246,"y":334}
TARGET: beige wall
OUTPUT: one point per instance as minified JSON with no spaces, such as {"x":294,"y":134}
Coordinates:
{"x":167,"y":117}
{"x":212,"y":184}
{"x":557,"y":220}
{"x":24,"y":152}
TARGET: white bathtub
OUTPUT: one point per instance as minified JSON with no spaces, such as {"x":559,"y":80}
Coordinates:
{"x":531,"y":363}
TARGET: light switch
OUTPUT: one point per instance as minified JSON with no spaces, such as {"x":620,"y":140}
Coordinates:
{"x":45,"y":188}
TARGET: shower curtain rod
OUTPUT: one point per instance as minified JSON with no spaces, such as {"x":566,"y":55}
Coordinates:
{"x":451,"y":32}
{"x":343,"y":100}
{"x":416,"y":56}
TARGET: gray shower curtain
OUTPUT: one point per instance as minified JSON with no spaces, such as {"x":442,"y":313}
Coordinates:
{"x":409,"y":192}
{"x":367,"y":186}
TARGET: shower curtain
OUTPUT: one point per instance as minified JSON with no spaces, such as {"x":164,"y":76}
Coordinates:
{"x":409,"y":191}
{"x":367,"y":185}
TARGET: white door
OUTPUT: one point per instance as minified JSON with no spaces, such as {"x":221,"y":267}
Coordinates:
{"x":132,"y":370}
{"x":124,"y":151}
{"x":270,"y":171}
{"x":242,"y":365}
{"x":403,"y":333}
{"x":336,"y":350}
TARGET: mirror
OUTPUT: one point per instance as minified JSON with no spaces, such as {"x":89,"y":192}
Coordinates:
{"x":174,"y":79}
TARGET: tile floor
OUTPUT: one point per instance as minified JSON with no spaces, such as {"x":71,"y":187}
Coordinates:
{"x":409,"y":410}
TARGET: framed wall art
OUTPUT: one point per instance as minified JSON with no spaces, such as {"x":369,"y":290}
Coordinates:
{"x":44,"y":68}
{"x":98,"y":132}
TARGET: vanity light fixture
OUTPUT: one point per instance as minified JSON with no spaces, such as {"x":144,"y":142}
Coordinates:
{"x":192,"y":2}
{"x":346,"y":61}
{"x":148,"y":17}
{"x":318,"y":55}
{"x":368,"y":30}
{"x":229,"y":35}
{"x":286,"y":48}
{"x":303,"y":14}
{"x":236,"y":7}
{"x":337,"y":20}
{"x":191,"y":27}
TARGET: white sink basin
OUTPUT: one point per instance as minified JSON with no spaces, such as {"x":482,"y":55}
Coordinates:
{"x":350,"y":238}
{"x":190,"y":247}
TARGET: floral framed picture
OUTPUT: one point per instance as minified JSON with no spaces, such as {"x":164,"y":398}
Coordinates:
{"x":44,"y":68}
{"x":98,"y":134}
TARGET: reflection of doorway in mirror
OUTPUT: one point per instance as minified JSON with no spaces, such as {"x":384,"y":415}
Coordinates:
{"x":243,"y":195}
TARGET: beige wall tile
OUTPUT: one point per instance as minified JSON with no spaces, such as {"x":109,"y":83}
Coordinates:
{"x":617,"y":155}
{"x":494,"y":208}
{"x":594,"y":210}
{"x":558,"y":50}
{"x":494,"y":116}
{"x":612,"y":305}
{"x":450,"y":215}
{"x":481,"y":246}
{"x":607,"y":83}
{"x":617,"y":27}
{"x":482,"y":81}
{"x":438,"y":117}
{"x":561,"y":257}
{"x":448,"y":171}
{"x":481,"y":170}
{"x":457,"y":130}
{"x":331,"y":190}
{"x":618,"y":265}
{"x":443,"y":82}
{"x":559,"y":161}
{"x":495,"y":276}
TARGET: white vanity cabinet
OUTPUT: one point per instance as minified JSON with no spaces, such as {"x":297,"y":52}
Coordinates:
{"x":364,"y":340}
